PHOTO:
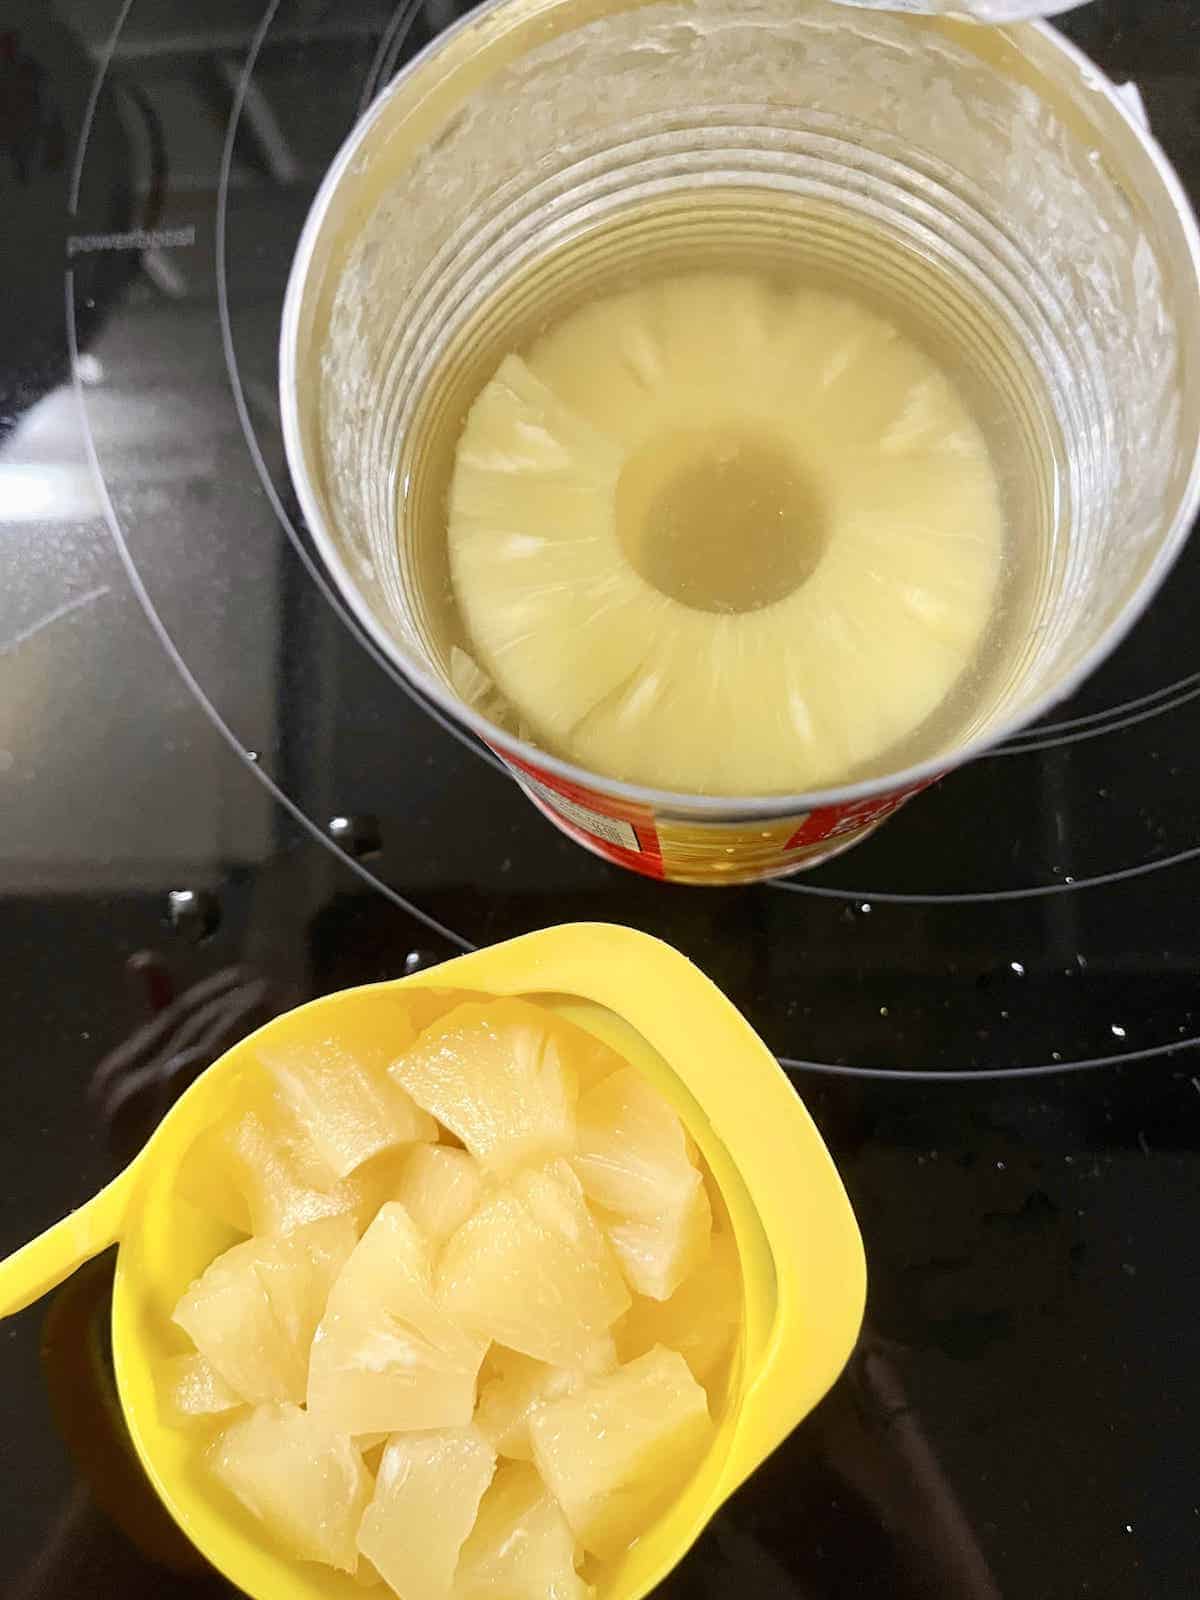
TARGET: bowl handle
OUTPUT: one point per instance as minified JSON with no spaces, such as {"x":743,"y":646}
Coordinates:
{"x":44,"y":1262}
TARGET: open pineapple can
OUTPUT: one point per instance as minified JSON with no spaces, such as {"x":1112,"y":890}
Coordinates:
{"x":482,"y":288}
{"x":775,"y":1193}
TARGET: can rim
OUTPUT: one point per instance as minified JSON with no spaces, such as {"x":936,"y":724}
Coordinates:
{"x":667,"y":801}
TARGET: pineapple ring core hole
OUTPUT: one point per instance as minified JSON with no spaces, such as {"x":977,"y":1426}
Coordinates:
{"x":720,"y":518}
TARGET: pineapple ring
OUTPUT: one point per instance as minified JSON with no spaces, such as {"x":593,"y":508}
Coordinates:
{"x":648,"y":419}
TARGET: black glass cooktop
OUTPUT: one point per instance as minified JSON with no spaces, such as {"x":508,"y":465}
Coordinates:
{"x":218,"y":800}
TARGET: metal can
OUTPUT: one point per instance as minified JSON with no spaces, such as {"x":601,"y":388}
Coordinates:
{"x":1013,"y":194}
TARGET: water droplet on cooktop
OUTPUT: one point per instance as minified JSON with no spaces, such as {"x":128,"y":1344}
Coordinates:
{"x":1018,"y":967}
{"x":194,"y":914}
{"x":1118,"y":1031}
{"x":252,"y":755}
{"x":358,"y":835}
{"x":416,"y":959}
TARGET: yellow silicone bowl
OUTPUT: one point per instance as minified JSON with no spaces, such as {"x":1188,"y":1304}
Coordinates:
{"x":803,"y":1272}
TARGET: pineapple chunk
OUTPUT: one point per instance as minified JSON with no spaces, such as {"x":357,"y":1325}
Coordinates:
{"x":306,"y":1484}
{"x":633,"y":1156}
{"x":386,"y":1356}
{"x":615,"y":1452}
{"x":656,"y":1257}
{"x":193,"y":1388}
{"x":499,"y":1076}
{"x":532,"y":1270}
{"x":633,"y":1160}
{"x":253,"y":1312}
{"x":228,"y":1317}
{"x":335,"y":1082}
{"x":299,"y":1269}
{"x":259,"y":1173}
{"x":426,"y":1498}
{"x":513,"y":1386}
{"x":520,"y":1547}
{"x":699,"y":1320}
{"x":439,"y":1187}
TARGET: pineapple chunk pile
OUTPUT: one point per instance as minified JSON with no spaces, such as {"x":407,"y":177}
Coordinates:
{"x":467,"y":1349}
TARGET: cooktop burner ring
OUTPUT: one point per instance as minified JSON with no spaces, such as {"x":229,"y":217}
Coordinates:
{"x":1110,"y":720}
{"x":978,"y":896}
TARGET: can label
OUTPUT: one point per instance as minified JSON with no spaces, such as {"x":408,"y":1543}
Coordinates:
{"x":615,"y":829}
{"x":681,"y":849}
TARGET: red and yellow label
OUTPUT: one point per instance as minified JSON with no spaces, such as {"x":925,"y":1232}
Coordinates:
{"x":682,"y":850}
